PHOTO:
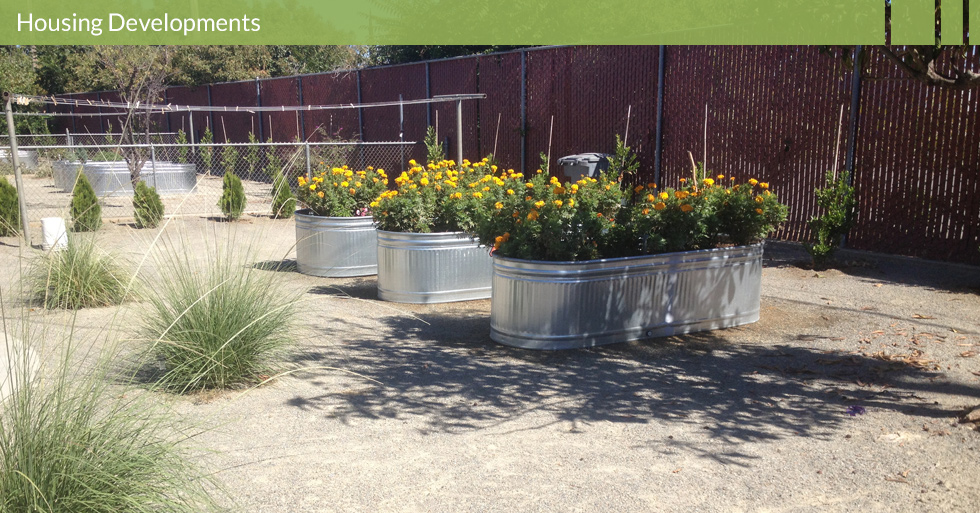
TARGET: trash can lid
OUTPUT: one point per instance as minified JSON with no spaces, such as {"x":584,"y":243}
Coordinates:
{"x":583,"y":159}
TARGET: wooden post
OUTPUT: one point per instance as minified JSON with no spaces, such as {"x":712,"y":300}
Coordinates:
{"x":15,"y":161}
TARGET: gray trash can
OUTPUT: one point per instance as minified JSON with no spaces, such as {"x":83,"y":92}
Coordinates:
{"x":584,"y":164}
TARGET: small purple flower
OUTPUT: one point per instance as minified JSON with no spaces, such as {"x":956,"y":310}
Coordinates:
{"x":856,"y":410}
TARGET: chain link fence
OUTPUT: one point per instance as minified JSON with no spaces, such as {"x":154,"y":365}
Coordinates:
{"x":188,"y":177}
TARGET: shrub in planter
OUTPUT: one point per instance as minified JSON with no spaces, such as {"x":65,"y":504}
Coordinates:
{"x":232,"y":201}
{"x":147,"y":207}
{"x":86,"y":213}
{"x":9,"y":209}
{"x":341,"y":191}
{"x":283,"y":201}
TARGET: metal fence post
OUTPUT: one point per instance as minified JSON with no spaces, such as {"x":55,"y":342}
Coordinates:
{"x":309,"y":172}
{"x":658,"y":150}
{"x":523,"y":109}
{"x":15,"y":161}
{"x":153,"y":164}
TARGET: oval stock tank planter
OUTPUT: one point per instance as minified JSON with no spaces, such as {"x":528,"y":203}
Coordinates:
{"x":63,"y":172}
{"x":563,"y":305}
{"x":432,"y":267}
{"x":112,"y":178}
{"x":335,"y":247}
{"x":27,"y":158}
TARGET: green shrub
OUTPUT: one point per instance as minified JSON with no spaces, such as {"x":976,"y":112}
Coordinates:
{"x":79,"y":276}
{"x":147,"y":206}
{"x":9,"y":209}
{"x":182,"y":150}
{"x":839,"y":203}
{"x":229,"y":158}
{"x":86,"y":213}
{"x":433,"y":148}
{"x":232,"y":201}
{"x":283,"y":200}
{"x":251,"y":154}
{"x":207,"y":152}
{"x":71,"y":442}
{"x":219,"y":323}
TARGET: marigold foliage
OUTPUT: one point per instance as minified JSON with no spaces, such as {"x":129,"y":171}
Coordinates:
{"x":341,"y":191}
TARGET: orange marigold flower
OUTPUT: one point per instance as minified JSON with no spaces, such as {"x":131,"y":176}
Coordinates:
{"x":753,"y":181}
{"x":764,"y":185}
{"x":533,"y":215}
{"x":686,"y":208}
{"x":758,"y":211}
{"x":646,"y":211}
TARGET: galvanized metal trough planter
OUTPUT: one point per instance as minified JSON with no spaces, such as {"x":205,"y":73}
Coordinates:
{"x":27,"y":158}
{"x":335,"y":247}
{"x":111,"y":178}
{"x":564,"y":305}
{"x":432,"y":267}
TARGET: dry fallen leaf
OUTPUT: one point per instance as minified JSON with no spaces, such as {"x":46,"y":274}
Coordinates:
{"x":675,"y":471}
{"x":920,"y":316}
{"x":968,"y":354}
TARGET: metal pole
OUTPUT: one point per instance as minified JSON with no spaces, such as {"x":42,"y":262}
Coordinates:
{"x":459,"y":132}
{"x":523,"y":109}
{"x":309,"y":172}
{"x":855,"y":107}
{"x":302,"y":115}
{"x":258,"y":103}
{"x":153,"y":164}
{"x":401,"y":129}
{"x":18,"y":179}
{"x":658,"y":150}
{"x":190,"y":117}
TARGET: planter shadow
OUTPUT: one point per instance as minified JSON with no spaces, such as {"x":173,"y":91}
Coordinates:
{"x":452,"y":378}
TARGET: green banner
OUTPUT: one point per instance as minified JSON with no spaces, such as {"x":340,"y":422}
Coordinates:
{"x":442,"y":21}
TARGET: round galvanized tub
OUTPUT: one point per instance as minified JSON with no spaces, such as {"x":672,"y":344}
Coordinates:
{"x":336,"y":247}
{"x":27,"y":158}
{"x":64,"y":172}
{"x":112,"y":178}
{"x":563,"y":305}
{"x":432,"y":267}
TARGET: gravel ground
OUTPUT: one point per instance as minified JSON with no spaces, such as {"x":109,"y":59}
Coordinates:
{"x":413,"y":408}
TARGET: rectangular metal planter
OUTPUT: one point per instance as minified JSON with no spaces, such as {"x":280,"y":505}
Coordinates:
{"x":432,"y":267}
{"x":563,"y":305}
{"x":335,"y":247}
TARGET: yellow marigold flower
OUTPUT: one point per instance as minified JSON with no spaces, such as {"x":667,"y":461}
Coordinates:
{"x":348,"y":173}
{"x":539,"y":204}
{"x":558,"y":203}
{"x":498,"y":205}
{"x":686,"y":208}
{"x":412,"y":163}
{"x":335,"y":184}
{"x":681,"y":194}
{"x":664,"y":195}
{"x":721,"y":177}
{"x":758,"y":211}
{"x":608,"y":187}
{"x":646,"y":211}
{"x":510,"y":192}
{"x":345,"y":184}
{"x":683,"y":180}
{"x":659,"y":206}
{"x":485,"y":189}
{"x":753,"y":181}
{"x":529,"y":185}
{"x":758,"y":199}
{"x":478,"y":194}
{"x":413,"y":187}
{"x":574,"y":188}
{"x":571,"y":203}
{"x":302,"y":181}
{"x":313,"y":187}
{"x":651,"y":197}
{"x":533,"y":215}
{"x":767,"y":193}
{"x":764,"y":185}
{"x":457,"y":195}
{"x":320,"y":194}
{"x":709,"y":181}
{"x":424,"y":181}
{"x":373,"y":204}
{"x":375,"y":180}
{"x":493,"y":168}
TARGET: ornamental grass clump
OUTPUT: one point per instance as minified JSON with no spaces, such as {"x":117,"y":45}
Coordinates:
{"x":72,"y":441}
{"x":437,"y":197}
{"x":82,"y":275}
{"x":216,"y":321}
{"x":9,"y":209}
{"x":283,"y":200}
{"x":341,"y":191}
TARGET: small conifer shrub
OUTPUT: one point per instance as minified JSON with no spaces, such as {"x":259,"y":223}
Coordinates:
{"x":147,"y":206}
{"x":9,"y":209}
{"x":232,"y":201}
{"x":86,"y":213}
{"x":283,"y":200}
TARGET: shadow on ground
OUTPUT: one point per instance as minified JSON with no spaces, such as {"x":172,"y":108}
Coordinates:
{"x":450,"y":373}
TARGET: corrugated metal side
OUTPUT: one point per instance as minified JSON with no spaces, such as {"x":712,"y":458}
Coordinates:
{"x":335,"y":246}
{"x":561,"y":305}
{"x":432,"y":267}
